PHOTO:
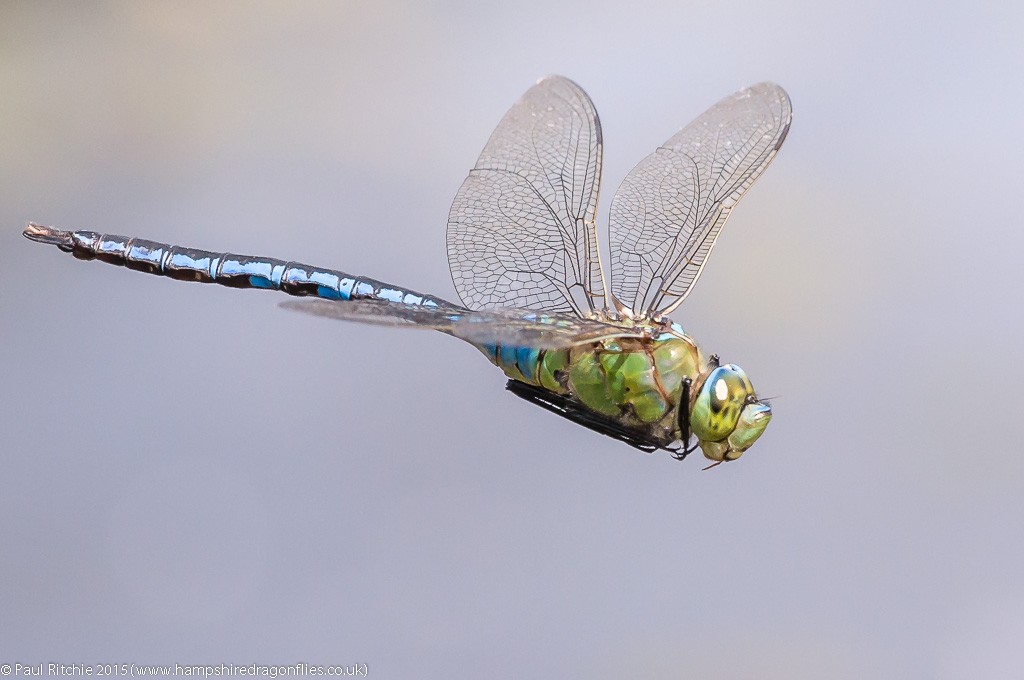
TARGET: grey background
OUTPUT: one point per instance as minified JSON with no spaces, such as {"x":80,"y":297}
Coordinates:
{"x":190,"y":474}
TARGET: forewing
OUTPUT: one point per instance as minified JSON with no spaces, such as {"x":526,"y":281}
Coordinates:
{"x":511,"y":327}
{"x":521,"y":229}
{"x":669,"y":211}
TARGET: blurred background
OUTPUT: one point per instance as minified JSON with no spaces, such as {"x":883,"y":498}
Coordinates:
{"x":192,"y":475}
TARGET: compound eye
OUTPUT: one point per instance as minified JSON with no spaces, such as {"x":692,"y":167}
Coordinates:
{"x":718,"y":406}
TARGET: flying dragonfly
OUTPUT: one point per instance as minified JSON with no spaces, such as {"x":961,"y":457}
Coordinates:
{"x":524,"y":256}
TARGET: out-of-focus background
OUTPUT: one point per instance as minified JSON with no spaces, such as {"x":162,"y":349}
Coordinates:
{"x":192,"y":475}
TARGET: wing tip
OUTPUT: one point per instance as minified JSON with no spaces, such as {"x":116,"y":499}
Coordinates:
{"x":554,"y":80}
{"x":766,"y":87}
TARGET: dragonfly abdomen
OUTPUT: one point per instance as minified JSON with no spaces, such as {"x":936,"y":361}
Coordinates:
{"x":225,"y":269}
{"x":531,"y":365}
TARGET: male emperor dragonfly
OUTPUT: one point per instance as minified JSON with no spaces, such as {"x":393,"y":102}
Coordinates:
{"x":524,"y":256}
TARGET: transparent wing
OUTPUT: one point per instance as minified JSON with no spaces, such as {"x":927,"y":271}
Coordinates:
{"x":521,"y":229}
{"x":669,"y":211}
{"x":512,"y":327}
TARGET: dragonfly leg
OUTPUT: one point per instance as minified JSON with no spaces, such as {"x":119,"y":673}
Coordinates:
{"x":572,"y":410}
{"x":682,"y":452}
{"x":684,"y":422}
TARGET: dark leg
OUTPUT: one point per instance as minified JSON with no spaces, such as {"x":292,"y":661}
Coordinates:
{"x":581,"y":415}
{"x":684,"y":422}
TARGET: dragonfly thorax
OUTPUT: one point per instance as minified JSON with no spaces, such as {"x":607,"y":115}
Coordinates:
{"x":634,"y":381}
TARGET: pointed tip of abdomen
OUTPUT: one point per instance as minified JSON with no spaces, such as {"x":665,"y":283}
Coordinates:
{"x":41,"y":234}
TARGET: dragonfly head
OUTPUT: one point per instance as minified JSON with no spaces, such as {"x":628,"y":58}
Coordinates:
{"x":726,"y":415}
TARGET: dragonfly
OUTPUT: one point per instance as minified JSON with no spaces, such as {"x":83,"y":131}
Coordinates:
{"x":524,"y":256}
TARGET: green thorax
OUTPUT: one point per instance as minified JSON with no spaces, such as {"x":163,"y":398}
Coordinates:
{"x":635,"y":381}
